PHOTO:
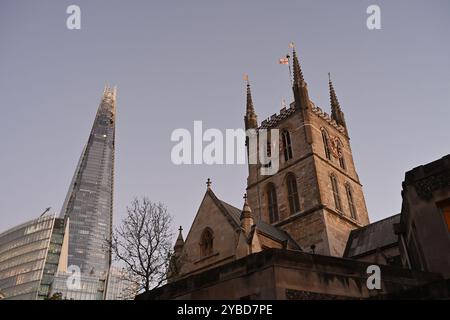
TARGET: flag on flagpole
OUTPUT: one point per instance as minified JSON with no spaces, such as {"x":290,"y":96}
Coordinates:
{"x":245,"y":77}
{"x":283,"y":61}
{"x":291,"y":45}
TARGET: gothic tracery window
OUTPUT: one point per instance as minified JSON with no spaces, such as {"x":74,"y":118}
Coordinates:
{"x":336,"y":196}
{"x":272,"y":203}
{"x":326,"y":144}
{"x":287,"y":148}
{"x":291,"y":183}
{"x":207,"y":243}
{"x":341,"y":155}
{"x":351,"y":203}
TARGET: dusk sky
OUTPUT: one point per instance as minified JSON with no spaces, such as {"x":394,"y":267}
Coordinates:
{"x":175,"y":62}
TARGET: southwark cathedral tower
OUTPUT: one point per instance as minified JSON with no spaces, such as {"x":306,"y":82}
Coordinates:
{"x":316,"y":195}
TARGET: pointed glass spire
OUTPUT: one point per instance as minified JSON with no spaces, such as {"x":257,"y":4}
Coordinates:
{"x":89,"y":201}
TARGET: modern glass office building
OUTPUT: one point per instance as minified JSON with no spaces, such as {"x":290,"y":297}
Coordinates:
{"x":37,"y":258}
{"x":89,"y":201}
{"x":72,"y":286}
{"x":120,"y":286}
{"x":29,"y":257}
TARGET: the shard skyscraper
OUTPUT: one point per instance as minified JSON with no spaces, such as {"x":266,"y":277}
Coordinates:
{"x":89,"y":202}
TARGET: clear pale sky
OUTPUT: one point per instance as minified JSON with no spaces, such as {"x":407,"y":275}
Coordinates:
{"x":179,"y":61}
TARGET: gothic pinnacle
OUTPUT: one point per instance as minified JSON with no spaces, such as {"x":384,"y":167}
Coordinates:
{"x":250,"y":108}
{"x":251,"y":119}
{"x":246,"y":211}
{"x":335,"y":107}
{"x":298,"y":74}
{"x":336,"y":112}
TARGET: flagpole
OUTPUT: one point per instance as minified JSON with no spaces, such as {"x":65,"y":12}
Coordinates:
{"x":290,"y":72}
{"x":292,"y":46}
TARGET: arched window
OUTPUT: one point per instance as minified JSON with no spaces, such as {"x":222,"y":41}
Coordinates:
{"x":351,"y":204}
{"x":291,"y":183}
{"x":341,"y":155}
{"x":287,"y":148}
{"x":272,"y":203}
{"x":207,"y":243}
{"x":326,"y":144}
{"x":337,"y":198}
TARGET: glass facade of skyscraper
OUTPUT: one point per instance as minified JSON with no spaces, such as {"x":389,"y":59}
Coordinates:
{"x":38,"y":258}
{"x":89,"y":202}
{"x":73,"y":286}
{"x":120,"y":286}
{"x":29,"y":256}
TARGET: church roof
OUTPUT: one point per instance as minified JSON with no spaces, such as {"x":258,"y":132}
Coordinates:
{"x":261,"y":226}
{"x":367,"y":239}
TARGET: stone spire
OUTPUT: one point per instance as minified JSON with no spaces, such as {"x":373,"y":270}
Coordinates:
{"x":180,"y":241}
{"x":336,"y":112}
{"x":251,"y":119}
{"x":335,"y":107}
{"x":298,"y":74}
{"x":246,"y":217}
{"x":300,"y":87}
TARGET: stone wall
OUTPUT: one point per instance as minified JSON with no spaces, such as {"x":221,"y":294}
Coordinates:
{"x":225,"y":238}
{"x":423,"y":228}
{"x":284,"y":274}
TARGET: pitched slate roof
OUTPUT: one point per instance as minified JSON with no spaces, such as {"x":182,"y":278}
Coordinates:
{"x":367,"y":239}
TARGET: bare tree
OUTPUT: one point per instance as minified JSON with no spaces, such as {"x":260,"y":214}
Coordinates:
{"x":143,"y":243}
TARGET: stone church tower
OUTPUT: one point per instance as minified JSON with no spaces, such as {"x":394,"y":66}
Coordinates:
{"x":316,"y":195}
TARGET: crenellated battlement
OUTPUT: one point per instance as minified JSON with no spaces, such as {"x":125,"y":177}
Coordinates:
{"x":285,"y":113}
{"x":322,"y":114}
{"x":274,"y":119}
